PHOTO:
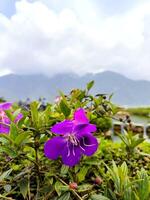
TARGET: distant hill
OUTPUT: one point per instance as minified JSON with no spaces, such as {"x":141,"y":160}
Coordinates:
{"x":126,"y":91}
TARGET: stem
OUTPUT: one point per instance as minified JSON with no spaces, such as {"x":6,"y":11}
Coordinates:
{"x":73,"y":191}
{"x":38,"y":174}
{"x":37,"y":188}
{"x":3,"y":197}
{"x":29,"y":194}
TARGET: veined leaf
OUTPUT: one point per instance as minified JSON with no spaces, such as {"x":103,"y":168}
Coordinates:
{"x":82,"y":173}
{"x":24,"y":187}
{"x":13,"y":131}
{"x":98,"y":197}
{"x":59,"y":187}
{"x":22,"y":138}
{"x":65,"y":108}
{"x":65,"y":196}
{"x":5,"y":174}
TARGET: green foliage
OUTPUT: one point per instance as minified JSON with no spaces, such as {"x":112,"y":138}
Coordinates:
{"x":90,"y":85}
{"x":25,"y":173}
{"x":104,"y":123}
{"x":140,"y":111}
{"x":126,"y":188}
{"x":131,"y":141}
{"x":143,"y":186}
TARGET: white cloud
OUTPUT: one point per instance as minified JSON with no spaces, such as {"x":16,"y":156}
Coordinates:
{"x":38,"y":39}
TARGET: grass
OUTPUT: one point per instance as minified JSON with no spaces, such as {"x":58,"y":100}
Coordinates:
{"x":139,"y":111}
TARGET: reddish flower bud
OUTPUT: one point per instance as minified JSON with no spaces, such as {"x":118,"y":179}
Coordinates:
{"x":98,"y":180}
{"x":73,"y":185}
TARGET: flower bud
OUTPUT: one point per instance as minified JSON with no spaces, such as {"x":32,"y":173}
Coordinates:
{"x":98,"y":180}
{"x":73,"y":185}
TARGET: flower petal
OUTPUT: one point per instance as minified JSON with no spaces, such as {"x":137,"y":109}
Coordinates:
{"x":5,"y":106}
{"x":85,"y":128}
{"x":71,"y":156}
{"x":89,"y":144}
{"x":53,"y":147}
{"x":19,"y":117}
{"x":63,"y":127}
{"x":4,"y":128}
{"x":80,"y":117}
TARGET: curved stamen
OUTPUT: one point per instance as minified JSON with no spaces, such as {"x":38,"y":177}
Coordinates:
{"x":75,"y":141}
{"x":68,"y":149}
{"x":80,"y":146}
{"x":73,"y":150}
{"x":87,"y":145}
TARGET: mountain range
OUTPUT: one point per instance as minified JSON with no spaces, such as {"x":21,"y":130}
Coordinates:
{"x":126,"y":91}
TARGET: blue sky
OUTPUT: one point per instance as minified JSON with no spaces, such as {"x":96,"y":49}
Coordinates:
{"x":110,"y":7}
{"x":7,"y":7}
{"x":79,"y":36}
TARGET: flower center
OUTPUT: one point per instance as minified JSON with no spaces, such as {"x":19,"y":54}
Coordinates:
{"x":75,"y":142}
{"x":73,"y":139}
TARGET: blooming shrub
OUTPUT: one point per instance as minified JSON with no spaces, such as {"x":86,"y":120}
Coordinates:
{"x":52,"y":152}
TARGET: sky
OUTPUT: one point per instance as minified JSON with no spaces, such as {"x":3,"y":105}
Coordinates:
{"x":75,"y":36}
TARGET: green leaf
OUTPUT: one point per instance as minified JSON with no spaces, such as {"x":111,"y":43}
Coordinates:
{"x":15,"y":114}
{"x":59,"y":187}
{"x":98,"y":197}
{"x":110,"y":97}
{"x":24,"y":187}
{"x":9,"y":114}
{"x":22,"y":138}
{"x":34,"y":113}
{"x":64,"y":169}
{"x":65,"y":196}
{"x":65,"y":108}
{"x":5,"y":174}
{"x":82,"y":173}
{"x":90,"y":85}
{"x":13,"y":131}
{"x":7,"y":137}
{"x":143,"y":186}
{"x":8,"y":150}
{"x":85,"y":187}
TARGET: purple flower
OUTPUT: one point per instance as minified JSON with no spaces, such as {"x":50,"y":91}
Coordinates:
{"x":4,"y":120}
{"x":75,"y":138}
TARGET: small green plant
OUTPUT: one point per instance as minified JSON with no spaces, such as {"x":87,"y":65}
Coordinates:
{"x":124,"y":187}
{"x":142,"y":187}
{"x":121,"y":181}
{"x":131,"y":141}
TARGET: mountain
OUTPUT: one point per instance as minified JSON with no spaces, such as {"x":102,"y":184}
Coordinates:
{"x":126,"y":91}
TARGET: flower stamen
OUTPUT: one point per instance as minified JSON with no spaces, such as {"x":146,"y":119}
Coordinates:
{"x":68,"y":149}
{"x":87,"y":145}
{"x":73,"y":150}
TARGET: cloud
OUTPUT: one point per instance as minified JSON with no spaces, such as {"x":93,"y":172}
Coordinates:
{"x":41,"y":39}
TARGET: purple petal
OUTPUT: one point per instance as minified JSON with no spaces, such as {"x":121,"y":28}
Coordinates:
{"x":71,"y":155}
{"x":63,"y":127}
{"x":53,"y":147}
{"x":85,"y":128}
{"x":80,"y":117}
{"x":5,"y":120}
{"x":5,"y":106}
{"x":19,"y":117}
{"x":4,"y":128}
{"x":89,"y":144}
